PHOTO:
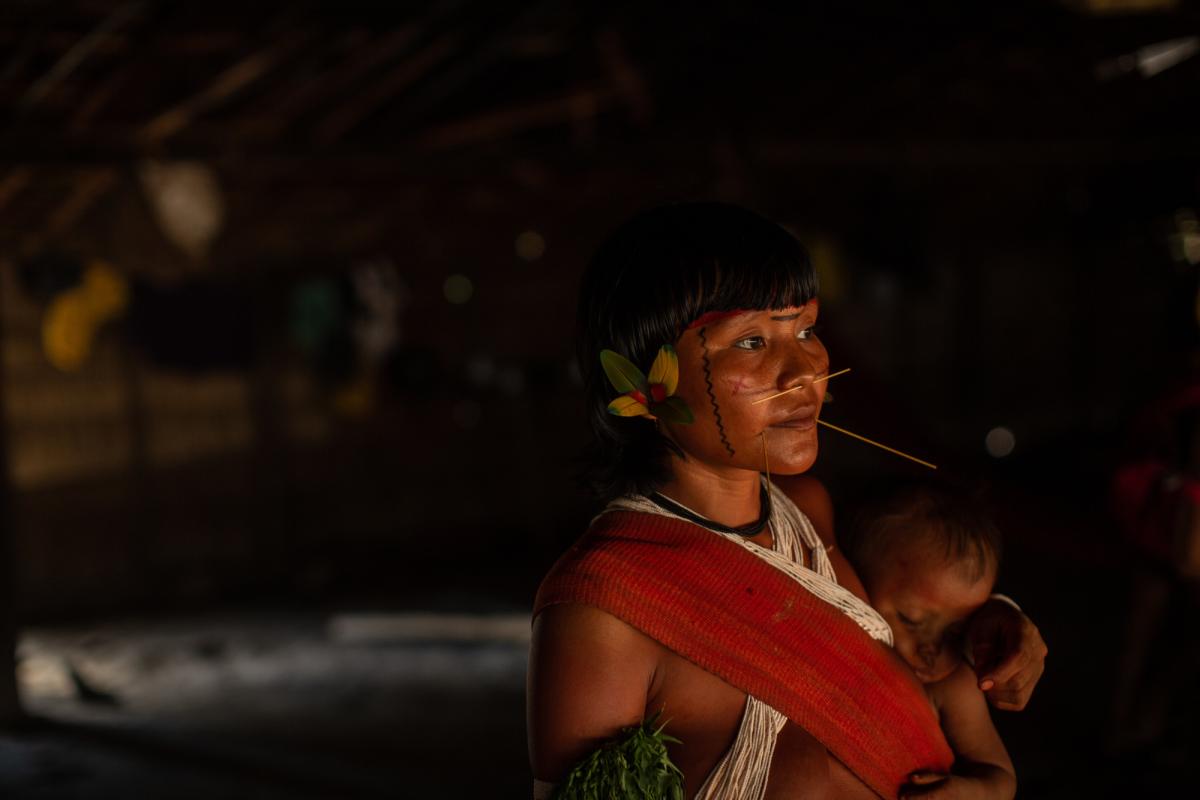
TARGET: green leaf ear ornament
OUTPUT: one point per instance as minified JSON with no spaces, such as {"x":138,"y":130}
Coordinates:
{"x":652,"y":397}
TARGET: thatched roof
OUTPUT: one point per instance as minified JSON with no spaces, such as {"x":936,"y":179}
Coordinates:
{"x":342,"y":127}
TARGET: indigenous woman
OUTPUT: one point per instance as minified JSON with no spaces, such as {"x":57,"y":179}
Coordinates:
{"x":706,"y":593}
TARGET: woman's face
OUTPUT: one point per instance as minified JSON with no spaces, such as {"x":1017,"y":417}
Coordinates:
{"x":727,"y":365}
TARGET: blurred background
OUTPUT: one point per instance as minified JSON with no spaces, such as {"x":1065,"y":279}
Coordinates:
{"x":290,"y":415}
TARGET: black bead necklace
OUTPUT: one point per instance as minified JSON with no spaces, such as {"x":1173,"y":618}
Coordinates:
{"x":748,"y":530}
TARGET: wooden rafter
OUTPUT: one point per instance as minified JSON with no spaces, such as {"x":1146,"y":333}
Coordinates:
{"x":118,"y":42}
{"x":476,"y":57}
{"x":362,"y":104}
{"x":226,"y":85}
{"x":625,"y":75}
{"x":573,"y":107}
{"x":76,"y":55}
{"x":90,"y":187}
{"x":101,"y":96}
{"x":13,"y":183}
{"x":269,"y":121}
{"x":19,"y":54}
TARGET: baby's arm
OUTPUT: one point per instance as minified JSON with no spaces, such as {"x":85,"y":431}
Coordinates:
{"x":982,"y":768}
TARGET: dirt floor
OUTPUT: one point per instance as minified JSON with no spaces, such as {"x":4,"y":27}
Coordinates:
{"x":348,"y":705}
{"x":279,"y":707}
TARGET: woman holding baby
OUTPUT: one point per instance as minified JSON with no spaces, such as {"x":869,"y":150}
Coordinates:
{"x":707,"y":595}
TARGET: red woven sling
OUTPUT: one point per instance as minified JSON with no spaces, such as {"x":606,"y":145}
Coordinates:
{"x":749,"y":624}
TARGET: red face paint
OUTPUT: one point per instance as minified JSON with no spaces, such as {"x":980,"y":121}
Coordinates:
{"x":714,"y":316}
{"x":738,"y":385}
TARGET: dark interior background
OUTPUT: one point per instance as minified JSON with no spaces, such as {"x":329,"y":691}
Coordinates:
{"x":342,"y":389}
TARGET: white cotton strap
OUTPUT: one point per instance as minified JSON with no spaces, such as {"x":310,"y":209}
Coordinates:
{"x":743,"y":770}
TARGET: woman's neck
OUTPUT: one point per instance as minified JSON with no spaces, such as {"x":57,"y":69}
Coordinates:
{"x":729,"y":497}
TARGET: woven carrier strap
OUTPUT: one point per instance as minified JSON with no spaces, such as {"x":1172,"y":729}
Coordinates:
{"x":743,"y":771}
{"x":795,"y":642}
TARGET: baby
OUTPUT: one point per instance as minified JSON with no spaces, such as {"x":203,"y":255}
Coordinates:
{"x":928,"y":558}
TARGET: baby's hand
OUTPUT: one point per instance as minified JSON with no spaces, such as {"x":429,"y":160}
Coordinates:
{"x":1010,"y":654}
{"x":937,"y":786}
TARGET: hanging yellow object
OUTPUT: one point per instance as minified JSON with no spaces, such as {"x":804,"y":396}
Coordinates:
{"x":68,"y":329}
{"x":71,"y":322}
{"x":106,"y":291}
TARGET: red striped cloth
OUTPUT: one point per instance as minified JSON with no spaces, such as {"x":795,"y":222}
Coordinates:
{"x":746,"y":622}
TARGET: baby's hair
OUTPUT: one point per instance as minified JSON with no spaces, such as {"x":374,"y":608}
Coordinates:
{"x":938,"y":514}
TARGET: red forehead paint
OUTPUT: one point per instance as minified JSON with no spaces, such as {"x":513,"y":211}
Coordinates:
{"x":714,"y":316}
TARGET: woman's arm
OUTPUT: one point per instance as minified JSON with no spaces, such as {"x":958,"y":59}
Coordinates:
{"x":1009,"y":652}
{"x":589,"y":677}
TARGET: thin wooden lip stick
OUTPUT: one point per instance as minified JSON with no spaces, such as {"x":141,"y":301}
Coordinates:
{"x":798,"y":388}
{"x":877,"y":444}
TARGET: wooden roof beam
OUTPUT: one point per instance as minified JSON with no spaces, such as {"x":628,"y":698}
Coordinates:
{"x":13,"y":184}
{"x":90,"y":187}
{"x":625,"y":75}
{"x":74,"y":57}
{"x":363,"y":104}
{"x":226,"y":85}
{"x":100,"y":97}
{"x":276,"y":116}
{"x":117,"y":42}
{"x":574,"y":107}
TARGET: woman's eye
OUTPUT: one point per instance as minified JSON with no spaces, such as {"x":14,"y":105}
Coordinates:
{"x":751,"y":343}
{"x":906,"y":620}
{"x":807,"y":333}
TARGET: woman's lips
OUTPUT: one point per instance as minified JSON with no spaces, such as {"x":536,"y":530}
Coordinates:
{"x":801,"y":419}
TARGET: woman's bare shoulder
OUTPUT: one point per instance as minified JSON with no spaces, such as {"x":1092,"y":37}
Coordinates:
{"x":578,"y":625}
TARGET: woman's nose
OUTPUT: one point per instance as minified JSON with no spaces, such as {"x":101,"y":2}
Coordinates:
{"x":797,"y":368}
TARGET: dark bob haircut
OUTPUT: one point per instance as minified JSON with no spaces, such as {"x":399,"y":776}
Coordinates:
{"x":654,"y":276}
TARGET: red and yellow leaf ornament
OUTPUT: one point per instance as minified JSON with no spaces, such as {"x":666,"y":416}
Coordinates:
{"x":652,"y":397}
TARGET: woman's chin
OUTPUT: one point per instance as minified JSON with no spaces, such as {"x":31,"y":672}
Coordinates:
{"x":789,"y":470}
{"x":796,"y":462}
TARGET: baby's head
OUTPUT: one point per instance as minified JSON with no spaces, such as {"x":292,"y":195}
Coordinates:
{"x":928,"y":556}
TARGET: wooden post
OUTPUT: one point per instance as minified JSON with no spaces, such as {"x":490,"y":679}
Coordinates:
{"x":11,"y":713}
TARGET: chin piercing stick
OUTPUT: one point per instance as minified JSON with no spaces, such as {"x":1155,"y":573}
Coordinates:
{"x":766,"y":464}
{"x":802,"y":386}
